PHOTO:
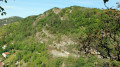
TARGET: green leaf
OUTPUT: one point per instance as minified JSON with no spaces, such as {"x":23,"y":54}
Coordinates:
{"x":105,"y":1}
{"x":5,"y":1}
{"x":1,"y":8}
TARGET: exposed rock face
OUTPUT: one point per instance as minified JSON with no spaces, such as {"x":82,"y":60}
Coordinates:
{"x":59,"y":49}
{"x":63,"y":18}
{"x":63,"y":64}
{"x":38,"y":18}
{"x":56,"y":10}
{"x":59,"y":54}
{"x":67,"y":40}
{"x":99,"y":56}
{"x":63,"y":53}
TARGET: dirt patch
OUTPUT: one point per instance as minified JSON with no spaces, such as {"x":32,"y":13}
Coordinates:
{"x":59,"y":53}
{"x":63,"y":53}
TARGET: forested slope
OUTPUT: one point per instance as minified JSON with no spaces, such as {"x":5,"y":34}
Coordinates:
{"x":70,"y":37}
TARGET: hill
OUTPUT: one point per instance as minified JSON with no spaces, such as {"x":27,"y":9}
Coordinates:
{"x":6,"y":21}
{"x":70,"y":37}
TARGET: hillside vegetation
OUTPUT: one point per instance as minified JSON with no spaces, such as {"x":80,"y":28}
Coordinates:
{"x":6,"y":21}
{"x":70,"y":37}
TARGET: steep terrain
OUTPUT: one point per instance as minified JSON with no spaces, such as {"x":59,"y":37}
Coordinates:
{"x":6,"y":21}
{"x":58,"y":38}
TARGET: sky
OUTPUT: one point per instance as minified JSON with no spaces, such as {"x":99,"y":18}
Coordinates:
{"x":24,"y":8}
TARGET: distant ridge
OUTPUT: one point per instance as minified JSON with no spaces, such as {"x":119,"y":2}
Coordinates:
{"x":8,"y":20}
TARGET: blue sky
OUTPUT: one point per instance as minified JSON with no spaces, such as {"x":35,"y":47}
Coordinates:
{"x":24,"y":8}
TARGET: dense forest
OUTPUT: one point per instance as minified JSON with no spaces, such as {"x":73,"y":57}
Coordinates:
{"x":70,"y":37}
